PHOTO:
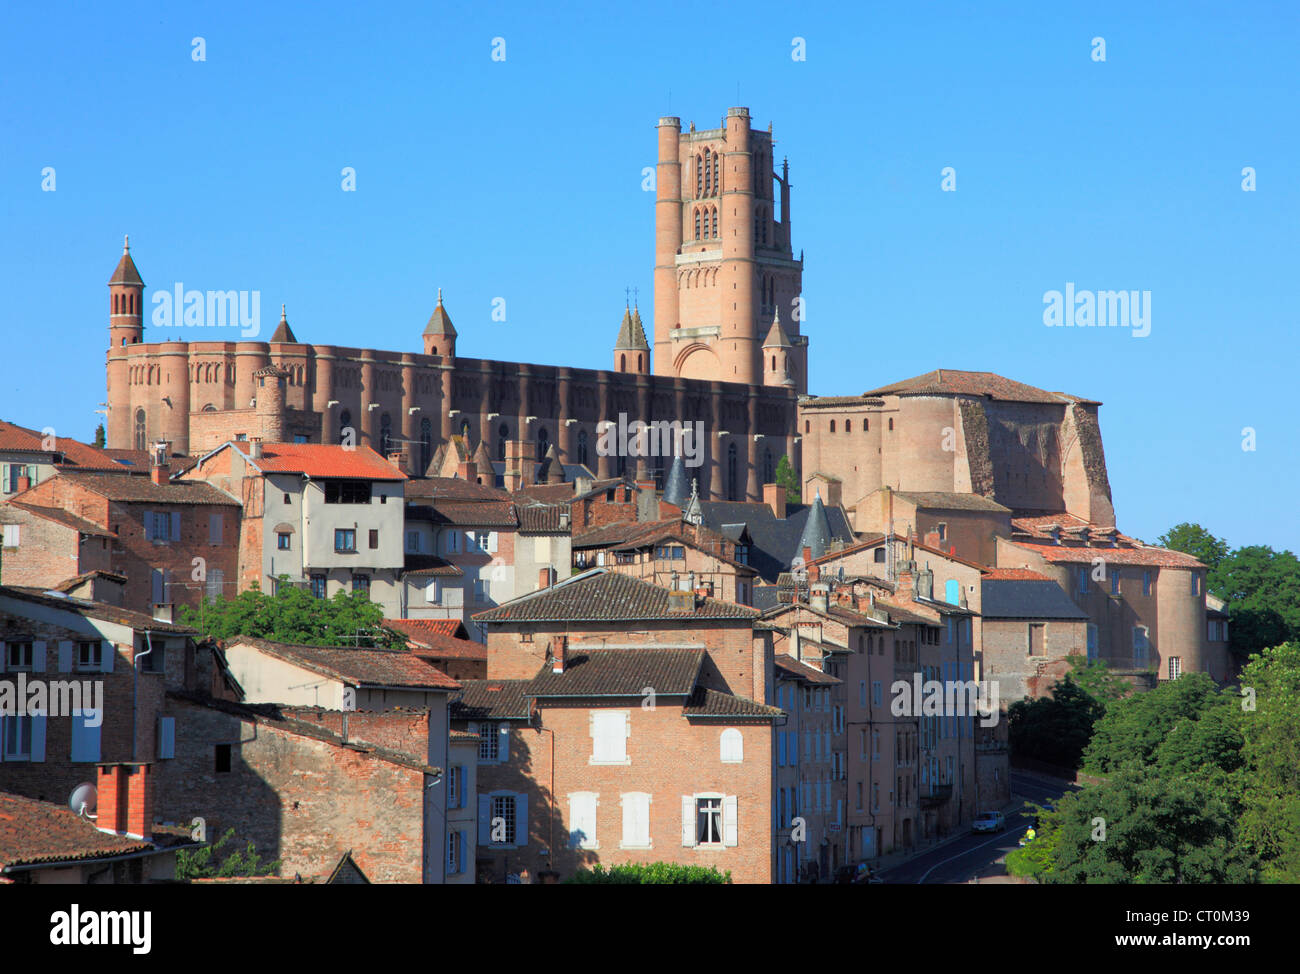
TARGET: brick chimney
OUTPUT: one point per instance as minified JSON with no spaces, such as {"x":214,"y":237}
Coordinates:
{"x":125,"y":799}
{"x":467,"y":470}
{"x":905,"y":582}
{"x":559,"y":653}
{"x":399,"y":459}
{"x":255,"y":448}
{"x":819,"y":596}
{"x":158,"y":466}
{"x":774,"y":497}
{"x":546,"y":577}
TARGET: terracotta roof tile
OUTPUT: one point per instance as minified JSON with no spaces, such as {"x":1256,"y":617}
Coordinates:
{"x":599,"y":595}
{"x":542,"y":518}
{"x":620,"y":673}
{"x":67,"y":452}
{"x":324,"y":460}
{"x":948,"y":382}
{"x":34,"y":832}
{"x":60,"y":516}
{"x":451,"y":488}
{"x":125,"y":488}
{"x":1087,"y":554}
{"x":419,"y":628}
{"x":362,"y":667}
{"x":490,"y":700}
{"x":94,"y":610}
{"x":711,"y":703}
{"x":795,"y":669}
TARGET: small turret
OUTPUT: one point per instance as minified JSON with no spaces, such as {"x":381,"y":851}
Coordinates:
{"x":283,"y":333}
{"x":126,"y":300}
{"x":632,"y":351}
{"x":439,"y":334}
{"x":776,"y":355}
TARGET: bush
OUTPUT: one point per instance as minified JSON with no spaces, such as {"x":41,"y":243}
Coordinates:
{"x":654,"y":872}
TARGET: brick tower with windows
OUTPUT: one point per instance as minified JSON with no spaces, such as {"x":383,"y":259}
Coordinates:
{"x":723,"y":261}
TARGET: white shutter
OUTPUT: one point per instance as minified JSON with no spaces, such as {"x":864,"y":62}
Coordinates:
{"x":67,"y":657}
{"x":688,"y":820}
{"x":176,"y":526}
{"x":492,"y":541}
{"x":107,"y":653}
{"x":503,"y":742}
{"x":38,"y":656}
{"x":732,"y":746}
{"x":85,"y":737}
{"x":484,"y":820}
{"x":582,"y":820}
{"x":729,"y":820}
{"x":166,"y":738}
{"x":521,"y":819}
{"x":38,"y":736}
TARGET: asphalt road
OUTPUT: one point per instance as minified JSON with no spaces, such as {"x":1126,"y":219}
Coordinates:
{"x":978,"y":855}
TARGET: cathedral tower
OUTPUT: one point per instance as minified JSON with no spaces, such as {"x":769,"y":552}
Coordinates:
{"x":723,"y":261}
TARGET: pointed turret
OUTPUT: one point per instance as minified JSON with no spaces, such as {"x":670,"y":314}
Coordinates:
{"x":675,"y":490}
{"x":283,"y":333}
{"x":631,"y":351}
{"x":816,"y":536}
{"x":554,"y":469}
{"x":776,"y":355}
{"x":693,"y":513}
{"x":126,"y":272}
{"x":125,"y":301}
{"x":439,"y":334}
{"x":483,"y":461}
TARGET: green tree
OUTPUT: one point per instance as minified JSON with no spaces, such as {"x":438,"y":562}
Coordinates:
{"x":99,"y":436}
{"x":787,"y":478}
{"x":200,"y":863}
{"x":1194,"y":540}
{"x":1270,"y":819}
{"x":1262,"y":589}
{"x":294,"y":615}
{"x":655,"y":873}
{"x":1056,"y":729}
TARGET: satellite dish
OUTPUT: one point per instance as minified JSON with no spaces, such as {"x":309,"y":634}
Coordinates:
{"x":83,"y":795}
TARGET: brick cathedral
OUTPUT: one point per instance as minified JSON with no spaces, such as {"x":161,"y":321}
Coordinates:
{"x":727,"y":352}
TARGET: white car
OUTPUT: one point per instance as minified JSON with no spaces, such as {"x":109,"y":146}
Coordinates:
{"x":989,"y":822}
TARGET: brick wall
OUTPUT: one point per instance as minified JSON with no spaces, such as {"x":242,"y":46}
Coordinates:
{"x":48,"y":552}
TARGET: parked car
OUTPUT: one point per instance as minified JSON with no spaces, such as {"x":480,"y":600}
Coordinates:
{"x":989,"y":822}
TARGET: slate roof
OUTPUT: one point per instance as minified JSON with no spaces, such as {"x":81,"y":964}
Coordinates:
{"x":599,"y":595}
{"x":712,"y":703}
{"x":34,"y":832}
{"x":816,"y":534}
{"x":775,"y":542}
{"x":357,"y":666}
{"x":125,"y":272}
{"x":949,"y":382}
{"x":620,"y":673}
{"x":631,"y":335}
{"x":1012,"y":598}
{"x":439,"y":322}
{"x":490,"y":700}
{"x":283,"y":333}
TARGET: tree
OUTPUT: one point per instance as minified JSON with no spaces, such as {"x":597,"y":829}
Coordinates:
{"x":99,"y":436}
{"x":1056,"y":729}
{"x":1194,"y":540}
{"x":1262,"y":589}
{"x":787,"y":478}
{"x":1270,"y":818}
{"x":650,"y":873}
{"x":294,"y":615}
{"x":198,"y":863}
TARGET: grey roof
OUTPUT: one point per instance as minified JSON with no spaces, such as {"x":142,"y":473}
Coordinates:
{"x":949,"y":501}
{"x":1027,"y":599}
{"x":631,"y":335}
{"x":283,"y":333}
{"x":816,"y":534}
{"x":440,"y":321}
{"x":677,"y":490}
{"x":774,"y":542}
{"x":620,"y":673}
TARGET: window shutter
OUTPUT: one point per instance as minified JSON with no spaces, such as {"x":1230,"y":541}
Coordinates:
{"x":166,"y":738}
{"x":4,"y":730}
{"x":85,"y":737}
{"x":148,"y":525}
{"x":503,"y":742}
{"x":38,"y":656}
{"x":688,"y":820}
{"x":464,"y":850}
{"x":492,"y":541}
{"x":38,"y":736}
{"x":214,"y":528}
{"x":521,"y":819}
{"x":66,"y":658}
{"x":780,"y":749}
{"x":484,"y":820}
{"x":729,"y":820}
{"x":107,"y":652}
{"x":629,"y":820}
{"x":176,"y":526}
{"x":156,"y":586}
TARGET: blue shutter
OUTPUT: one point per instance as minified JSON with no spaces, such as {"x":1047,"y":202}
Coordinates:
{"x":780,"y":749}
{"x":484,"y":820}
{"x":952,"y":591}
{"x":521,"y":820}
{"x":176,"y":526}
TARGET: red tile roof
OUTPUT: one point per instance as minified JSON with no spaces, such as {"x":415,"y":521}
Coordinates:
{"x":1087,"y":554}
{"x":425,"y":641}
{"x":419,"y":628}
{"x":20,"y":439}
{"x":361,"y":667}
{"x":127,"y":488}
{"x":1013,"y":575}
{"x":712,"y":703}
{"x":948,"y":382}
{"x":66,"y":518}
{"x":34,"y":832}
{"x":324,"y":460}
{"x":620,"y":673}
{"x":795,"y":669}
{"x":599,"y":595}
{"x":452,"y":488}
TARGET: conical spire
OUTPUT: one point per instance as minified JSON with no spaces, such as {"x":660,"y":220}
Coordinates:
{"x":126,"y":272}
{"x":554,"y":469}
{"x":816,"y":535}
{"x":675,"y":488}
{"x":483,"y":459}
{"x":631,"y":334}
{"x":776,"y":336}
{"x":693,"y":514}
{"x":283,"y":333}
{"x":440,"y":321}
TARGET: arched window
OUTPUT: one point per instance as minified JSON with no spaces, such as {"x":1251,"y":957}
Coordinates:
{"x":503,"y":434}
{"x":773,"y":363}
{"x":807,"y":426}
{"x":732,"y":746}
{"x":732,"y":473}
{"x":866,"y":425}
{"x":385,"y":434}
{"x":209,"y":408}
{"x":582,"y":447}
{"x":769,"y":472}
{"x":708,"y":173}
{"x":699,"y":177}
{"x":543,"y":443}
{"x":717,"y":186}
{"x":707,"y":231}
{"x":716,"y":231}
{"x":697,"y":224}
{"x":622,"y":363}
{"x":832,"y":426}
{"x":345,"y":424}
{"x":140,"y":440}
{"x":639,"y":365}
{"x":891,"y":422}
{"x":426,"y":443}
{"x":848,"y":426}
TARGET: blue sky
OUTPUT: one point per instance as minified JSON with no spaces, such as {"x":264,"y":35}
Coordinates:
{"x":522,"y":179}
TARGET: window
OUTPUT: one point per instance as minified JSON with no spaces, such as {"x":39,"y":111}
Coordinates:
{"x":426,"y":443}
{"x":318,"y":586}
{"x":1140,"y":643}
{"x":282,"y":541}
{"x":1196,"y":584}
{"x":482,"y":539}
{"x":943,"y":532}
{"x":1083,"y":580}
{"x":455,"y":779}
{"x":288,"y":499}
{"x":413,"y":541}
{"x":345,"y":540}
{"x":18,"y":656}
{"x":709,"y":821}
{"x":90,"y":655}
{"x":493,"y":743}
{"x":609,"y":734}
{"x":12,"y":535}
{"x":482,"y":590}
{"x":345,"y":426}
{"x":732,"y":746}
{"x":385,"y":434}
{"x":1175,"y":667}
{"x":1037,"y":639}
{"x":214,"y":587}
{"x":152,"y":660}
{"x":141,"y":443}
{"x":347,"y":492}
{"x":879,"y":556}
{"x":453,"y":542}
{"x":1092,"y":641}
{"x":215,"y":525}
{"x":455,"y":853}
{"x":502,"y":825}
{"x":1146,"y":583}
{"x":361,"y":583}
{"x":877,"y":693}
{"x":19,"y":734}
{"x":374,"y":538}
{"x":86,"y":725}
{"x":582,"y":820}
{"x":1114,"y":582}
{"x":636,"y":820}
{"x":221,"y":758}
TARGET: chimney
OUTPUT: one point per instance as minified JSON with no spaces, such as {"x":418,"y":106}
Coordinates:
{"x":467,"y":470}
{"x":905,"y":582}
{"x":158,"y":468}
{"x":255,"y":448}
{"x":819,"y":596}
{"x":163,"y":611}
{"x":932,"y":539}
{"x":774,"y":497}
{"x":546,"y":577}
{"x":925,"y":583}
{"x":125,"y":800}
{"x":399,"y":459}
{"x":581,"y":485}
{"x":559,"y":652}
{"x":814,"y":572}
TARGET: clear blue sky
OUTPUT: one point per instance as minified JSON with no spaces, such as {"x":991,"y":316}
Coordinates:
{"x":522,"y":179}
